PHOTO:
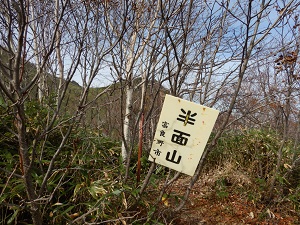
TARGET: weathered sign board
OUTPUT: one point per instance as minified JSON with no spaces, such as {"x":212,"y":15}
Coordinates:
{"x":182,"y":132}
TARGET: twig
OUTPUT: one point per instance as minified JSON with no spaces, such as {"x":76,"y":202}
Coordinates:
{"x":8,"y":179}
{"x":14,"y":174}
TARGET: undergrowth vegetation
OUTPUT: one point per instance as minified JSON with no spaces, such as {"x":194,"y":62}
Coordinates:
{"x":245,"y":161}
{"x":87,"y":186}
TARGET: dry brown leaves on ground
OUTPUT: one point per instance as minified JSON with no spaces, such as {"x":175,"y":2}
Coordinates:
{"x":233,"y":201}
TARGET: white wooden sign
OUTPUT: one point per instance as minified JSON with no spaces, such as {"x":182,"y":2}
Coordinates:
{"x":182,"y":133}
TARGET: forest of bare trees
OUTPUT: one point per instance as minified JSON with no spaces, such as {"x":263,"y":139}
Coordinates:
{"x":83,"y":82}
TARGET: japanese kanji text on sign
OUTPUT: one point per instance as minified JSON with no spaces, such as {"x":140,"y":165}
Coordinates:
{"x":182,"y":133}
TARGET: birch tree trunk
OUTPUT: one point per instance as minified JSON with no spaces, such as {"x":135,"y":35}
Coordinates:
{"x":126,"y":123}
{"x":140,"y":35}
{"x":128,"y":97}
{"x":41,"y":81}
{"x":58,"y":51}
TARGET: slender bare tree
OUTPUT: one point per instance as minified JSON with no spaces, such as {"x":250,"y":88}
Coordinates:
{"x":38,"y":29}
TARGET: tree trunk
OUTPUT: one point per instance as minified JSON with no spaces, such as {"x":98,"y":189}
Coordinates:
{"x":126,"y":124}
{"x":58,"y":53}
{"x":26,"y":166}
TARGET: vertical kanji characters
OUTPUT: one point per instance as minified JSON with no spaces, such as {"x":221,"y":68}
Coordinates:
{"x":181,"y":134}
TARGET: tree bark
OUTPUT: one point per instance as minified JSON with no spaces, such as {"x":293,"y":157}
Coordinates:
{"x":26,"y":165}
